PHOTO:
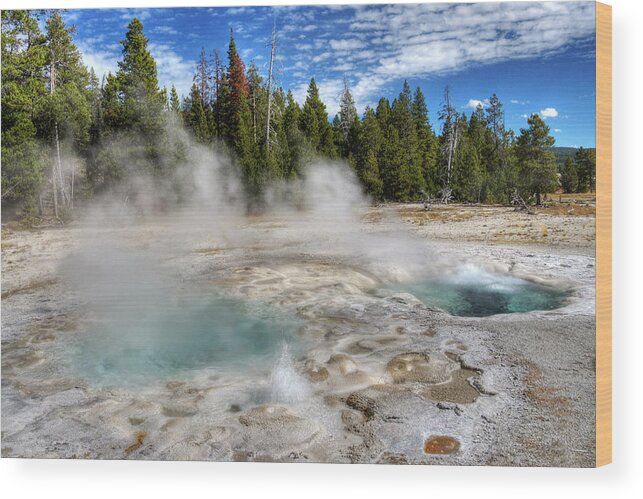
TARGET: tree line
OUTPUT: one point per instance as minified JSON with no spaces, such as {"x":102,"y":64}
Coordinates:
{"x":65,"y":132}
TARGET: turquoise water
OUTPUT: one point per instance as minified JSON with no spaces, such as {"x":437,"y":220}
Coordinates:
{"x":472,"y":292}
{"x":137,"y":344}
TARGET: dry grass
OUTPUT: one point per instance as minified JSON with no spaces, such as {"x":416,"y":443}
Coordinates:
{"x":443,"y":213}
{"x":570,"y":209}
{"x":587,"y":197}
{"x":461,"y":213}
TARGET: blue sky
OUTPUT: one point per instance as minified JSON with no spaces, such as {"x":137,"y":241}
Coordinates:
{"x":538,"y":57}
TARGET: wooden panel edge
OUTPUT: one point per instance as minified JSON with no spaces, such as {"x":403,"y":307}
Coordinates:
{"x":603,"y":234}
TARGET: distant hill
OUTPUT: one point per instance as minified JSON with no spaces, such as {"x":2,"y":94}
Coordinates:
{"x":562,"y":153}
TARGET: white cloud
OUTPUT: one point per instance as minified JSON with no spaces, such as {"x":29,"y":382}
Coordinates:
{"x":240,"y":10}
{"x":102,"y":61}
{"x":345,"y":66}
{"x":165,"y":30}
{"x":172,"y":68}
{"x":322,"y":57}
{"x":420,"y":40}
{"x":549,"y":112}
{"x":140,"y":14}
{"x":71,"y":17}
{"x":475,"y":103}
{"x":347,"y":45}
{"x":557,"y":130}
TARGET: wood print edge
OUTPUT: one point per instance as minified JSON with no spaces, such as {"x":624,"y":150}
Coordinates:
{"x":603,"y":234}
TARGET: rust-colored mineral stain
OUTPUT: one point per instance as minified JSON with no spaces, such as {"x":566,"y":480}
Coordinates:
{"x":139,"y":436}
{"x":441,"y":444}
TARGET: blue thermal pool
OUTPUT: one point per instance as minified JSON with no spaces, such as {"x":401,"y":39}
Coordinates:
{"x":472,"y":292}
{"x":139,"y":343}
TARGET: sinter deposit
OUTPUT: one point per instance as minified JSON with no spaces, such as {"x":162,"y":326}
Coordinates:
{"x":311,"y":331}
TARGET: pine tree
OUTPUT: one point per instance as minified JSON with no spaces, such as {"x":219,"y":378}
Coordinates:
{"x":134,"y":138}
{"x":388,"y":151}
{"x":496,"y":153}
{"x":315,"y":125}
{"x":237,"y":118}
{"x":383,"y":112}
{"x":569,"y":176}
{"x":536,"y":163}
{"x":194,"y":116}
{"x":164,"y":98}
{"x":338,"y":135}
{"x":175,"y":103}
{"x":368,"y":145}
{"x":237,"y":92}
{"x":495,"y":119}
{"x":220,"y":114}
{"x":94,"y":102}
{"x":142,"y":101}
{"x":410,"y":182}
{"x":478,"y":138}
{"x":258,"y":103}
{"x":428,"y":143}
{"x":23,"y":84}
{"x":391,"y":163}
{"x":585,"y":162}
{"x":111,"y":103}
{"x":347,"y":123}
{"x":298,"y":152}
{"x":467,"y":171}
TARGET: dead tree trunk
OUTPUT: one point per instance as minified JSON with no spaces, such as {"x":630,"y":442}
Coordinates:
{"x":453,"y":145}
{"x":450,"y":117}
{"x":519,"y":202}
{"x":54,"y":173}
{"x":254,"y":115}
{"x":54,"y":189}
{"x":73,"y":172}
{"x":59,"y":165}
{"x":217,"y":93}
{"x":273,"y":43}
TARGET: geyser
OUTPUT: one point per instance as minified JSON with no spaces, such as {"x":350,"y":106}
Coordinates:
{"x":472,"y":292}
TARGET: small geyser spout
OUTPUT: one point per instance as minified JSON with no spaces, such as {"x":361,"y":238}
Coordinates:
{"x":287,"y":385}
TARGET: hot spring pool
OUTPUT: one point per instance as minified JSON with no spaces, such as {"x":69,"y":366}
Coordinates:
{"x":472,"y":292}
{"x":140,"y":344}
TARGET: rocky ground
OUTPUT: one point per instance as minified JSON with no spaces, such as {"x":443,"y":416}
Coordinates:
{"x":382,"y":379}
